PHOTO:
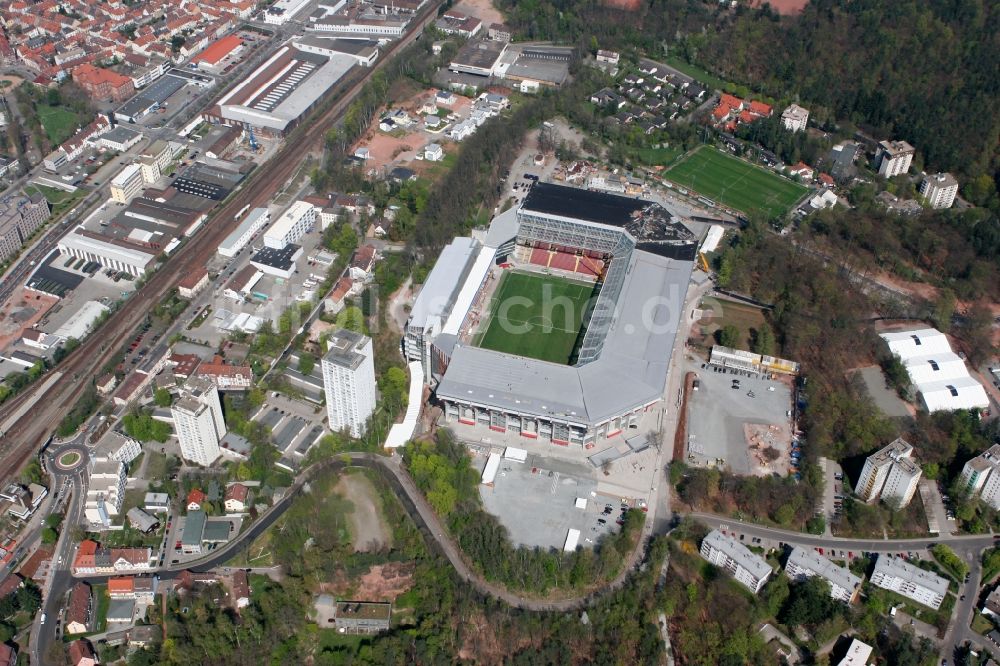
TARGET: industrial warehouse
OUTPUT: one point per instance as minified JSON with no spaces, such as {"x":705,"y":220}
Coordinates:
{"x":283,"y":89}
{"x":621,"y":264}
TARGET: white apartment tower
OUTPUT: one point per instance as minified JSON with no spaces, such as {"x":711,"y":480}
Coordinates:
{"x":894,"y":158}
{"x":981,"y":476}
{"x":349,"y":381}
{"x":729,"y":554}
{"x":795,"y":118}
{"x":198,"y":421}
{"x":890,"y":474}
{"x":939,"y":190}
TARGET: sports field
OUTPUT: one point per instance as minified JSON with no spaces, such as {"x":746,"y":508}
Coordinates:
{"x":538,"y":316}
{"x":735,"y":183}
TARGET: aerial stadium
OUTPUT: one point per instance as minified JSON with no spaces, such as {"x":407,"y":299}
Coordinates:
{"x":557,"y":324}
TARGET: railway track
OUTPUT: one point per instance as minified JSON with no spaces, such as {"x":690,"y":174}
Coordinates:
{"x":51,"y":401}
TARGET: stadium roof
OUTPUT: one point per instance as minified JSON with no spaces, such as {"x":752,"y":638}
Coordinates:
{"x":440,"y":289}
{"x":652,"y":226}
{"x":630,"y":372}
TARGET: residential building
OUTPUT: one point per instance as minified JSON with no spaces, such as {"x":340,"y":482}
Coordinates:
{"x":362,"y":617}
{"x":349,"y":381}
{"x":981,"y":476}
{"x":119,"y":139}
{"x":991,"y":606}
{"x":103,"y":84}
{"x":20,"y":217}
{"x":23,"y":501}
{"x":894,"y":158}
{"x":195,"y":499}
{"x":156,"y":503}
{"x":890,"y":474}
{"x":198,"y":421}
{"x":939,"y":190}
{"x":729,"y":554}
{"x":499,"y":32}
{"x":127,"y":184}
{"x":795,"y":118}
{"x":142,"y":635}
{"x":611,"y":57}
{"x":193,"y":283}
{"x":81,"y":653}
{"x":105,"y":491}
{"x":160,"y":152}
{"x":256,"y":219}
{"x":238,"y":498}
{"x":858,"y":654}
{"x":804,"y":563}
{"x":79,"y":608}
{"x":291,"y":226}
{"x":141,"y":520}
{"x":8,"y":654}
{"x":118,"y":446}
{"x":898,"y":575}
{"x":241,"y":589}
{"x":225,"y":376}
{"x":241,"y":284}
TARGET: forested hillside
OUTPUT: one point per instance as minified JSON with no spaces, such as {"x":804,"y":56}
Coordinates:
{"x":921,"y":70}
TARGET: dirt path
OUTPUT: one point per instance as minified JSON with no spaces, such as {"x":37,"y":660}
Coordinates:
{"x":367,"y":524}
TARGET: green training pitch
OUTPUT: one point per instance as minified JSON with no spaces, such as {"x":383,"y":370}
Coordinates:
{"x":735,"y":183}
{"x":538,"y":316}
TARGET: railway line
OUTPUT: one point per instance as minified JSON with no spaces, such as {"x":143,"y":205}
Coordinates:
{"x":48,"y":402}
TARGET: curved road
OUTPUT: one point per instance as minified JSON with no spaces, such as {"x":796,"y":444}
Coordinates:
{"x":438,"y":539}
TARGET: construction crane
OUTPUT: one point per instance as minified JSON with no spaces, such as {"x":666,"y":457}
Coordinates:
{"x":703,"y":262}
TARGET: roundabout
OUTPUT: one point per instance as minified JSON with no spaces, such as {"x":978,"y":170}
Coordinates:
{"x":68,"y":458}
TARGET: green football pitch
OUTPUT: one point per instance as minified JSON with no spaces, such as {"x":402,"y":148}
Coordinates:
{"x":735,"y":183}
{"x":538,"y":316}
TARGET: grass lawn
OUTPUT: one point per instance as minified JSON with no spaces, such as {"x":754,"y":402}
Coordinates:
{"x":741,"y":315}
{"x":59,"y":200}
{"x":733,"y":182}
{"x":696,"y":72}
{"x":982,"y":624}
{"x":58,"y":122}
{"x":538,"y":316}
{"x":657,"y":156}
{"x":159,"y":465}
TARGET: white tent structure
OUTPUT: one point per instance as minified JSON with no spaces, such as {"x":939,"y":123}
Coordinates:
{"x":938,"y":374}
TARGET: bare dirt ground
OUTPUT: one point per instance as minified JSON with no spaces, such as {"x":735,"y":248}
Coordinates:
{"x":23,"y":309}
{"x":386,"y":149}
{"x":783,"y":7}
{"x":367,"y":524}
{"x":627,"y":5}
{"x":482,"y":10}
{"x":383,"y":582}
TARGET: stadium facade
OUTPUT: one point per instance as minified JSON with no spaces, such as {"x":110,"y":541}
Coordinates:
{"x":641,"y":260}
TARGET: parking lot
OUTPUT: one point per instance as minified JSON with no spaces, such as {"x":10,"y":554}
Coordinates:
{"x":730,"y":409}
{"x":547,"y":490}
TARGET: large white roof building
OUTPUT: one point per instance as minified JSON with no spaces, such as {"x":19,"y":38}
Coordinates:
{"x":937,"y":373}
